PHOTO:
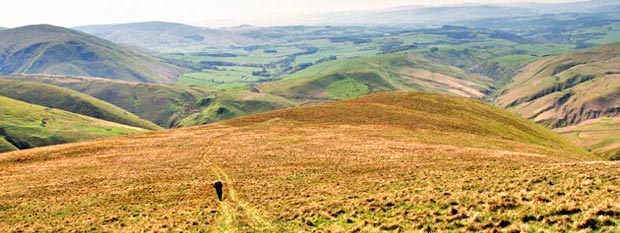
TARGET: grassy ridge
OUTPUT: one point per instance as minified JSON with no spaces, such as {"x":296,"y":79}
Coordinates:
{"x":345,"y":79}
{"x":26,"y":126}
{"x":54,"y":50}
{"x":418,"y":111}
{"x":284,"y":172}
{"x":71,"y":101}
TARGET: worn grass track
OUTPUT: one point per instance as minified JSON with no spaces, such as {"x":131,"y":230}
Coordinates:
{"x":233,"y":211}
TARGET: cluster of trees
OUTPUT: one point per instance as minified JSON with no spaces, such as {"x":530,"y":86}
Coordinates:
{"x":326,"y":59}
{"x":263,"y":73}
{"x":203,"y":54}
{"x":354,"y":39}
{"x":394,"y":46}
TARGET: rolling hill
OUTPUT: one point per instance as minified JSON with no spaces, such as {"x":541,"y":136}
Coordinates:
{"x":340,"y":166}
{"x":232,"y":104}
{"x":161,"y":104}
{"x":54,"y":50}
{"x":167,"y":105}
{"x":568,"y":90}
{"x":71,"y":101}
{"x":163,"y":36}
{"x":24,"y":126}
{"x":345,"y":79}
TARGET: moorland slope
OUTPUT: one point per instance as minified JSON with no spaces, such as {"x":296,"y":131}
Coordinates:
{"x":341,"y":166}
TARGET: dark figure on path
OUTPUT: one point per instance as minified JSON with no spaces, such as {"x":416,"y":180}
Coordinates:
{"x":218,"y":189}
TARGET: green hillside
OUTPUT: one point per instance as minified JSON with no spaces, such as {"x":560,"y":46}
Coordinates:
{"x":168,"y":105}
{"x":161,"y":104}
{"x":24,"y":125}
{"x":233,"y":104}
{"x":6,"y":146}
{"x":568,"y":89}
{"x":54,"y":50}
{"x":345,"y":79}
{"x":71,"y":101}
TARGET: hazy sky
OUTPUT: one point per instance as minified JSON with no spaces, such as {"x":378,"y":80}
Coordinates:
{"x":71,"y":13}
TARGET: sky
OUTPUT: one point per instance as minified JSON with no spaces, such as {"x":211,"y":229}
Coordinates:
{"x":214,"y":13}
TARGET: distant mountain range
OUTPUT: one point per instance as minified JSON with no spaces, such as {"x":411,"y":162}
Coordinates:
{"x":56,"y":50}
{"x":442,"y":15}
{"x":158,"y":35}
{"x":174,"y":37}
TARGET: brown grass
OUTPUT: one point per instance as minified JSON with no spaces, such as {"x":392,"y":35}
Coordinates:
{"x":285,"y":175}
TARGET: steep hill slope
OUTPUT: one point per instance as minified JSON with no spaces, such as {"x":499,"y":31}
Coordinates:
{"x":71,"y":101}
{"x":168,"y":105}
{"x":568,"y":89}
{"x":352,"y":78}
{"x":24,"y":126}
{"x":163,"y":36}
{"x":55,"y":50}
{"x":351,"y":171}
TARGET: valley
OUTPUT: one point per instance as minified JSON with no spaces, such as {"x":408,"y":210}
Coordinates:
{"x":268,"y":68}
{"x":441,"y":118}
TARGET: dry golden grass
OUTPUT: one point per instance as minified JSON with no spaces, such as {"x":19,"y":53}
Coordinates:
{"x":286,"y":175}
